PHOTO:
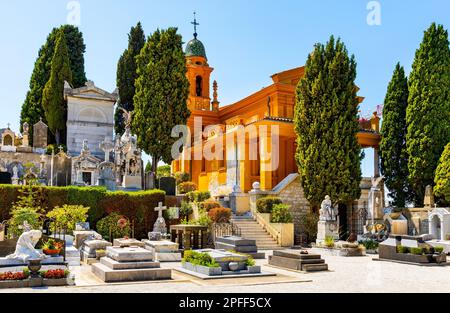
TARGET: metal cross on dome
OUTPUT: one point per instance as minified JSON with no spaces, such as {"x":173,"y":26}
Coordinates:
{"x":195,"y":25}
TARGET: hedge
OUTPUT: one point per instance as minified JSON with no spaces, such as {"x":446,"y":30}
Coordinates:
{"x":136,"y":206}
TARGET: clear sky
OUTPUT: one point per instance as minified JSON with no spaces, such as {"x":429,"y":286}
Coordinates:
{"x":246,"y":40}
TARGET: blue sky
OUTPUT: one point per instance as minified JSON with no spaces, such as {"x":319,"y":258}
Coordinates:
{"x":246,"y":40}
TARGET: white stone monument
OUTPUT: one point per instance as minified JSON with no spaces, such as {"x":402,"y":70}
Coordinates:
{"x":328,"y":225}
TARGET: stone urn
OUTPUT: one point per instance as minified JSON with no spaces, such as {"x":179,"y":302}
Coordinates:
{"x":34,"y":265}
{"x":233,"y":266}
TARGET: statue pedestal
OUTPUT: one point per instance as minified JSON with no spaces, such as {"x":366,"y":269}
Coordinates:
{"x":327,"y":229}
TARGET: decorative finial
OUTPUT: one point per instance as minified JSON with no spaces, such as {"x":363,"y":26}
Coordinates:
{"x":215,"y":102}
{"x":8,"y":124}
{"x":195,"y":25}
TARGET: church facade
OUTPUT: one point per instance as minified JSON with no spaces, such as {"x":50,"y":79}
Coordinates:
{"x":270,"y":106}
{"x":254,"y":119}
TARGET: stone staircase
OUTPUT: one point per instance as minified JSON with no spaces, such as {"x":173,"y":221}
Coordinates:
{"x":250,"y":229}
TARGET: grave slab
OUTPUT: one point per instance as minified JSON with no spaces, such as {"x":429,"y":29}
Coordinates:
{"x":129,"y":254}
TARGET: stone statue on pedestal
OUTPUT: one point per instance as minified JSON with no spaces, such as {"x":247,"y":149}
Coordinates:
{"x":160,"y":225}
{"x":25,"y":247}
{"x":327,"y":211}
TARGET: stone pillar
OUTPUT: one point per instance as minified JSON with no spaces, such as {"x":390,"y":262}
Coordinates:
{"x":376,"y":162}
{"x":265,"y":160}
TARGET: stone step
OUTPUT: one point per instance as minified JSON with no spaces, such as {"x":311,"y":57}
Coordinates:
{"x":139,"y":274}
{"x":315,"y":267}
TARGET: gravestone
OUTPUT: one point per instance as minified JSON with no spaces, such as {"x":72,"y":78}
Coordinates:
{"x":164,"y":250}
{"x":129,"y":264}
{"x":90,"y":247}
{"x":241,"y":245}
{"x":160,"y":224}
{"x":122,"y":242}
{"x":298,"y":261}
{"x":149,"y":181}
{"x":40,"y":131}
{"x":168,"y":184}
{"x":230,"y":265}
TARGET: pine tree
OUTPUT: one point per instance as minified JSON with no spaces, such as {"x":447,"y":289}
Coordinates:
{"x":442,"y":178}
{"x":394,"y":158}
{"x":428,"y":113}
{"x":53,"y":101}
{"x":126,"y":75}
{"x":162,"y":90}
{"x":32,"y":109}
{"x":328,"y":154}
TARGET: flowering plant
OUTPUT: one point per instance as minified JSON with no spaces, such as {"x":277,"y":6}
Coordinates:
{"x":14,"y":276}
{"x":54,"y":274}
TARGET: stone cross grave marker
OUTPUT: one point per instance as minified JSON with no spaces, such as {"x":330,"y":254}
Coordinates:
{"x":160,"y":225}
{"x":107,"y":146}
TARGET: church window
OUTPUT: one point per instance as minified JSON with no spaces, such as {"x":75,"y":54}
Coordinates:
{"x":199,"y":86}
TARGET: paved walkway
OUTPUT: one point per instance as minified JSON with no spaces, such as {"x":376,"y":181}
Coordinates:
{"x":358,"y":274}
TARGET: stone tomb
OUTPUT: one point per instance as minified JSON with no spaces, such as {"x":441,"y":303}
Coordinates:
{"x":295,"y":260}
{"x":231,"y":265}
{"x":388,"y":250}
{"x":88,"y":252}
{"x":240,"y":245}
{"x":164,"y":250}
{"x":122,"y":242}
{"x":129,"y":264}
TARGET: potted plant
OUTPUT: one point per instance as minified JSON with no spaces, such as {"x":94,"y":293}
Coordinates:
{"x":51,"y":247}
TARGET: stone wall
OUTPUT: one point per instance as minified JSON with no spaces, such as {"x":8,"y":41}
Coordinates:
{"x":291,"y":193}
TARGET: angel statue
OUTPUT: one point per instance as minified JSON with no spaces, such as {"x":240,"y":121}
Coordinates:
{"x":126,"y":117}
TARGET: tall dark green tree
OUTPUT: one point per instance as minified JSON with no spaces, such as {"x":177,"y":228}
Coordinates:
{"x":162,"y":90}
{"x":127,"y":74}
{"x":428,"y":113}
{"x":442,"y":178}
{"x":53,"y":95}
{"x":32,"y":108}
{"x":328,"y":154}
{"x":394,"y":157}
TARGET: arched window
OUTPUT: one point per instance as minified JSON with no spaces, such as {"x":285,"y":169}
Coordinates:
{"x":7,"y":140}
{"x":199,"y":86}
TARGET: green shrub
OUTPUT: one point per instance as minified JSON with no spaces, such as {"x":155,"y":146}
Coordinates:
{"x":265,"y":205}
{"x":186,"y":187}
{"x":181,"y":177}
{"x":198,"y":196}
{"x":220,"y":215}
{"x":203,"y":220}
{"x":138,"y":207}
{"x":416,"y":251}
{"x":186,"y":209}
{"x":439,"y":249}
{"x":197,"y":258}
{"x":208,"y":205}
{"x":110,"y":227}
{"x":308,"y":225}
{"x":402,"y":249}
{"x":21,"y":214}
{"x":369,"y":244}
{"x":250,"y":261}
{"x":281,"y":214}
{"x":329,"y":241}
{"x":67,"y":216}
{"x":163,"y":171}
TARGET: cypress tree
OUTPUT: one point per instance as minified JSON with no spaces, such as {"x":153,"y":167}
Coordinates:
{"x":328,"y":154}
{"x":126,"y":75}
{"x":32,"y":108}
{"x":162,"y":90}
{"x":442,"y":178}
{"x":394,"y":157}
{"x":53,"y":95}
{"x":428,"y":113}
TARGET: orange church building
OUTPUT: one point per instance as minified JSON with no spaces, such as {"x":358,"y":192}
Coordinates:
{"x":268,"y":107}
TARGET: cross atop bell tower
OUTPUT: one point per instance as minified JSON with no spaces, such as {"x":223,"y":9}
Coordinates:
{"x":195,"y":25}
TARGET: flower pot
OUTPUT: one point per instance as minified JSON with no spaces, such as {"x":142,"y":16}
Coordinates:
{"x":51,"y":252}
